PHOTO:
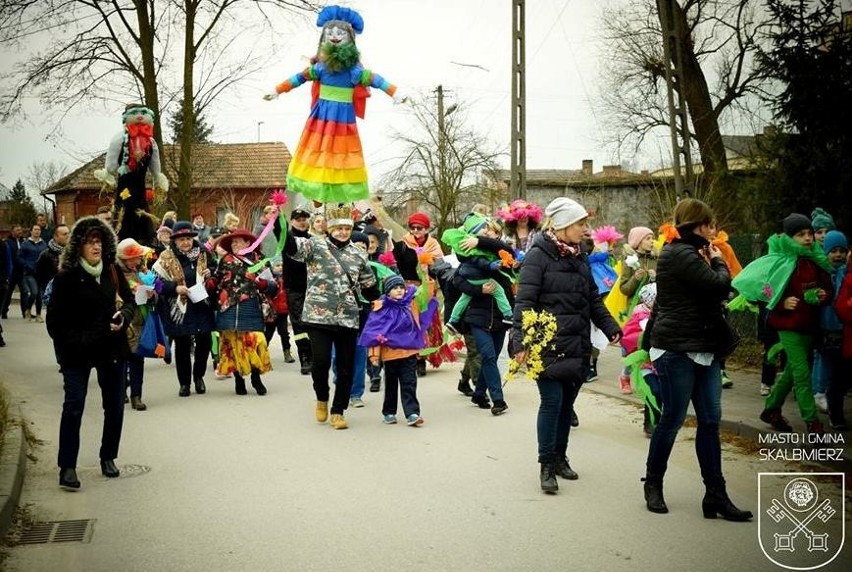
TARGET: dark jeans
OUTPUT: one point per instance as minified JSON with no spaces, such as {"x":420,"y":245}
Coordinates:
{"x":14,"y":282}
{"x":840,"y":377}
{"x":557,"y":388}
{"x":280,"y":326}
{"x":489,"y":345}
{"x":30,"y":294}
{"x":111,"y":380}
{"x":473,"y":361}
{"x":343,"y":340}
{"x":135,"y":373}
{"x":401,"y":379}
{"x":681,"y":381}
{"x":374,"y":371}
{"x":186,"y":370}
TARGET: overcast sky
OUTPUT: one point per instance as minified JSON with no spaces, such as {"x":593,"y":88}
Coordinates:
{"x":412,"y":43}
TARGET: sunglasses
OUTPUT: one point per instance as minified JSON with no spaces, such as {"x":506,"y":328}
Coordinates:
{"x":417,"y":227}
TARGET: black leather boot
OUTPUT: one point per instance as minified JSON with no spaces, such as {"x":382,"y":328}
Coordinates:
{"x":548,"y":479}
{"x":564,"y":470}
{"x":239,"y":384}
{"x":716,"y":502}
{"x":108,"y":469}
{"x":200,"y":388}
{"x":68,"y":478}
{"x":654,"y":495}
{"x":257,"y":384}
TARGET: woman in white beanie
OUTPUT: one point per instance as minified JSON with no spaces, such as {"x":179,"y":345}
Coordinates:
{"x":556,"y":278}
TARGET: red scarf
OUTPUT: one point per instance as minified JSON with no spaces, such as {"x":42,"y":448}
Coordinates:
{"x":563,"y":248}
{"x":139,"y":142}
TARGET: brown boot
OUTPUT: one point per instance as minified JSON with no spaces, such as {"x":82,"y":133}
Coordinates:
{"x":136,"y":403}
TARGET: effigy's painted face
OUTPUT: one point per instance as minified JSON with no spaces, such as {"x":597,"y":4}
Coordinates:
{"x":336,"y":34}
{"x":138,"y":115}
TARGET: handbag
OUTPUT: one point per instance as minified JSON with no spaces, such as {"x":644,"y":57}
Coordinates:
{"x":152,"y":341}
{"x":726,"y":338}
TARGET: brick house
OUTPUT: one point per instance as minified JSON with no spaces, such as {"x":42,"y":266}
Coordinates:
{"x":227,"y":177}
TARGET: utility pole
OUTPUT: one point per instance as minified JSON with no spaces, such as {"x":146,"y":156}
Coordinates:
{"x":678,"y":125}
{"x":518,"y":180}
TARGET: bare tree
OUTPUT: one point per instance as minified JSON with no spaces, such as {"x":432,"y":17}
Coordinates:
{"x":442,"y":166}
{"x":116,"y":50}
{"x":719,"y":39}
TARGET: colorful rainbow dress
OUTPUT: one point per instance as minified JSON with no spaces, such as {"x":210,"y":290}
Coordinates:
{"x":328,"y":165}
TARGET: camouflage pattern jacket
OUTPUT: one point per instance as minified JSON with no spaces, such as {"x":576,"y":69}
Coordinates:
{"x":333,"y":287}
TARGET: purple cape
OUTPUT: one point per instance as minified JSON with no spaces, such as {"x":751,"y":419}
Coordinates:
{"x":393,"y":325}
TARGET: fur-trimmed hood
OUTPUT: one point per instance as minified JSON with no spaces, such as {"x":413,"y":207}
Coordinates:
{"x":70,"y":257}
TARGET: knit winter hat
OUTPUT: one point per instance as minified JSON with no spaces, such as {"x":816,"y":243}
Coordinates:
{"x":421,"y":219}
{"x":795,"y":223}
{"x":821,"y":219}
{"x":834,"y":239}
{"x":637,"y":234}
{"x":474,"y":223}
{"x":564,"y":212}
{"x":392,"y":282}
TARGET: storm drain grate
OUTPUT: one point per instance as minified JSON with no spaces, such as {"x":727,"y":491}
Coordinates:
{"x":58,"y":531}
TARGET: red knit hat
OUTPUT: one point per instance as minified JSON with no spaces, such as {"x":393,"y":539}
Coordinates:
{"x":421,"y":219}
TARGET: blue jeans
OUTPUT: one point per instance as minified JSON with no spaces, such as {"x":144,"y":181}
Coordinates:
{"x":681,"y":381}
{"x":111,"y":380}
{"x":489,"y":345}
{"x":401,"y":377}
{"x":30,"y":294}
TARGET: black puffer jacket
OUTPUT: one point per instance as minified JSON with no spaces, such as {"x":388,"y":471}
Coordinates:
{"x":482,"y":312}
{"x":690,"y":293}
{"x":81,"y":307}
{"x":563,"y":286}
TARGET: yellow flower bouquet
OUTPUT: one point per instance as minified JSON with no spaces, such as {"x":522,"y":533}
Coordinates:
{"x":539,"y":329}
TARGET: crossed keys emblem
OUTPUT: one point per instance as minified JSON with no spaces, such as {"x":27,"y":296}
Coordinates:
{"x":779,"y":512}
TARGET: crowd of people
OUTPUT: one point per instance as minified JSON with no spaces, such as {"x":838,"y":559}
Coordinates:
{"x":362,"y":297}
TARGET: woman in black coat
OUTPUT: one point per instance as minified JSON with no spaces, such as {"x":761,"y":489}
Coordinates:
{"x":185,"y":264}
{"x":89,"y":332}
{"x":687,"y":339}
{"x":556,"y":278}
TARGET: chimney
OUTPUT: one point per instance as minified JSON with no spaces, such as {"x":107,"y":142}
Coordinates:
{"x":588,"y":169}
{"x":612,"y":170}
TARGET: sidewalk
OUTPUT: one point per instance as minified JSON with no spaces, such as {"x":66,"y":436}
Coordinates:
{"x":741,"y":406}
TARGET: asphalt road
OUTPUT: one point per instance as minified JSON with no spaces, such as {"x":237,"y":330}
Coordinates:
{"x":223,"y":482}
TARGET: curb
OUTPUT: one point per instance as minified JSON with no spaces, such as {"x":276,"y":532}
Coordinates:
{"x":738,"y":428}
{"x":13,"y":462}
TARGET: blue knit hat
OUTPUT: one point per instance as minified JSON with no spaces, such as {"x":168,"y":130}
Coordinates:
{"x":392,"y":282}
{"x":834,"y":239}
{"x":821,"y":219}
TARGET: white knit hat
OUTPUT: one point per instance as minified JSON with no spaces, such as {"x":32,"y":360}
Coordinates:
{"x":564,"y":212}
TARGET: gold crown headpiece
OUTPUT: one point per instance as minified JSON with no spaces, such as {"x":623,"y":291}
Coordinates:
{"x":338,"y":214}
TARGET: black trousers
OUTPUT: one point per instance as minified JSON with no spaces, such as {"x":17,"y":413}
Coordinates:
{"x":280,"y":326}
{"x":343,"y":340}
{"x":186,"y":370}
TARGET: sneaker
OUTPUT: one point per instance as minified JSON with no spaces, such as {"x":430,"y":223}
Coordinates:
{"x":414,"y":420}
{"x":39,"y":319}
{"x":774,"y":418}
{"x":356,"y":402}
{"x":624,"y":382}
{"x":288,"y":357}
{"x":389,"y":419}
{"x":375,"y":385}
{"x":593,"y":374}
{"x":321,"y":411}
{"x":821,"y":402}
{"x":727,"y":382}
{"x":481,"y":402}
{"x":765,"y":389}
{"x":464,"y":388}
{"x":499,"y":408}
{"x":27,"y":315}
{"x":338,"y":421}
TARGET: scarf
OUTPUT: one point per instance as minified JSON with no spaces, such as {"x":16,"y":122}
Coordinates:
{"x":168,"y":267}
{"x":92,"y":270}
{"x":564,"y":249}
{"x":57,"y":248}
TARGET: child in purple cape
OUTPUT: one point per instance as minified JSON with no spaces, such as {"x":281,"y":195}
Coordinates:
{"x":394,"y":334}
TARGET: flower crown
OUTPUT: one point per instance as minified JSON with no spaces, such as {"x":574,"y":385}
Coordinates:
{"x":521,"y":209}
